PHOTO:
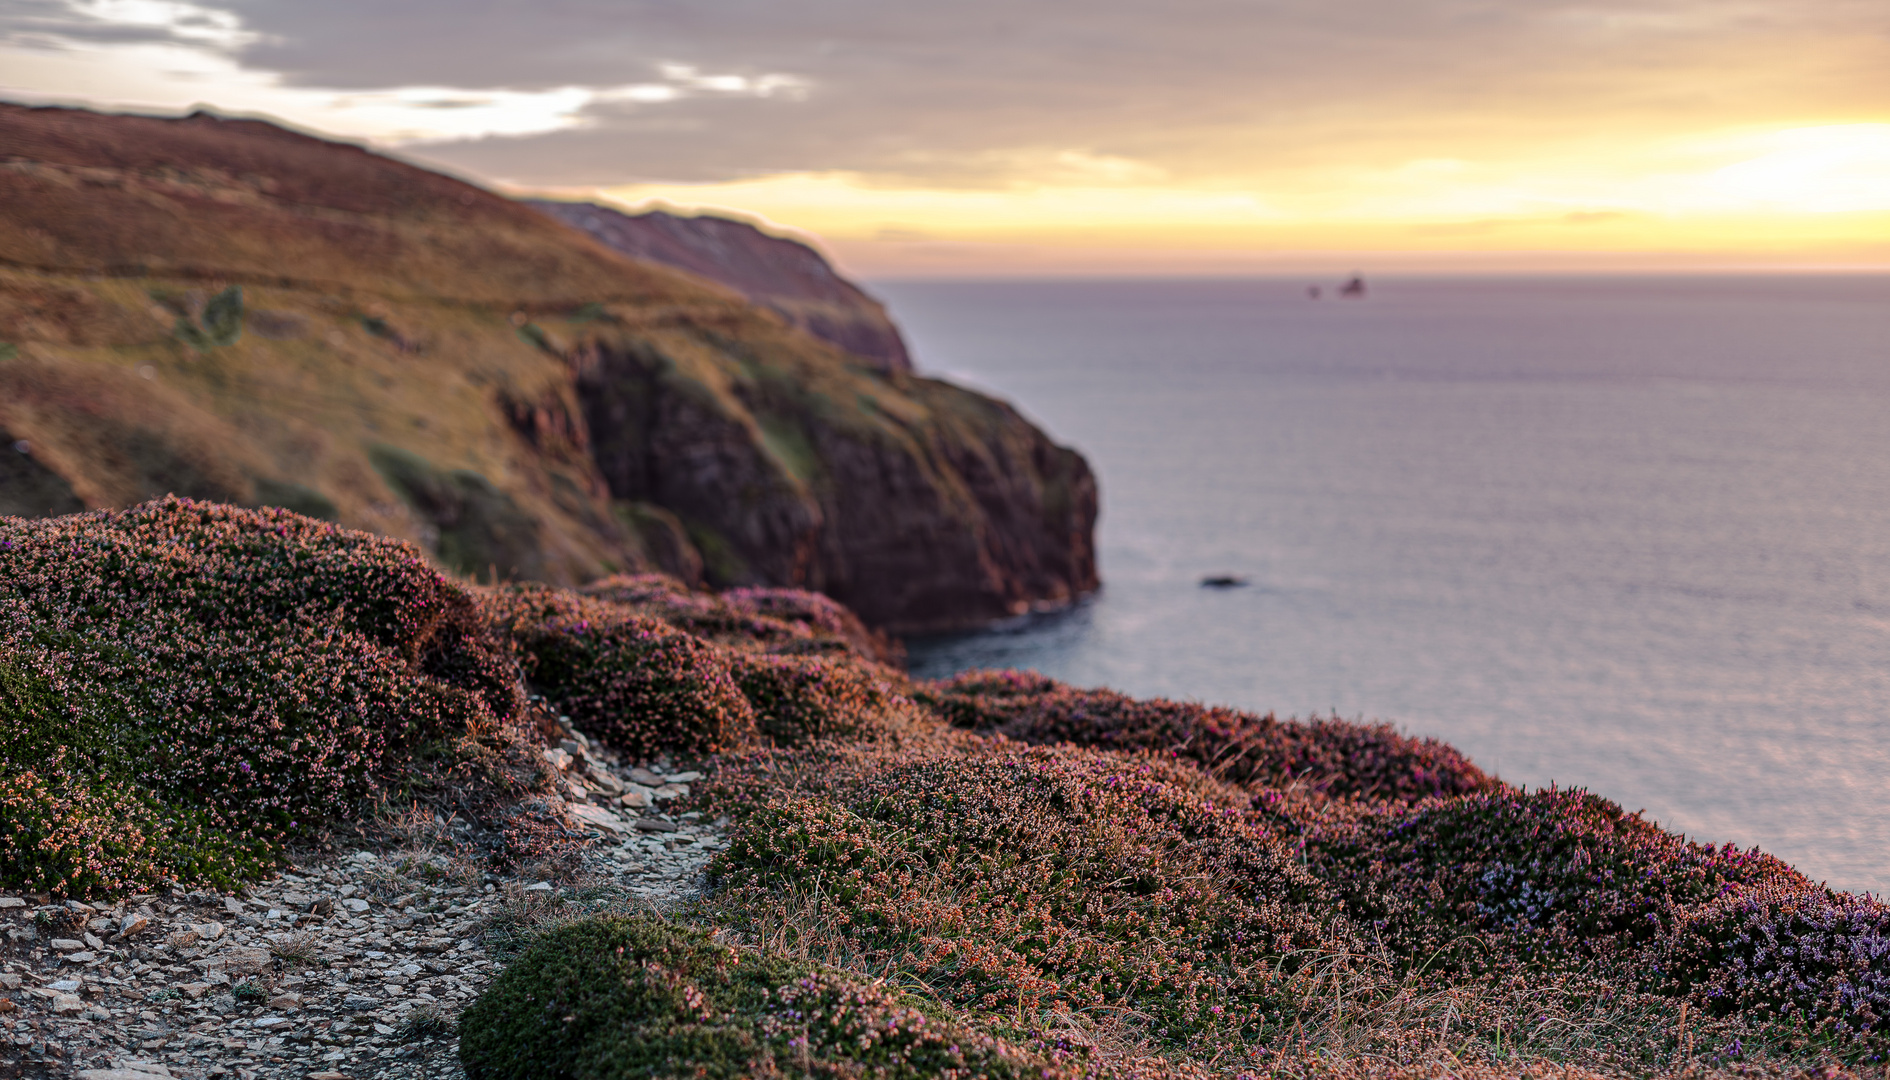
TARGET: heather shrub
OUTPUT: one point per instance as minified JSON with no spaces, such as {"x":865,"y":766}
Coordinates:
{"x":782,"y":620}
{"x":190,"y":686}
{"x":1792,"y":954}
{"x":638,"y":684}
{"x":1328,"y":757}
{"x":1552,"y":873}
{"x":619,"y":996}
{"x":1021,"y":884}
{"x":798,"y":698}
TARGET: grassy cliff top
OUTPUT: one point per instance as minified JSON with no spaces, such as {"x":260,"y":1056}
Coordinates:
{"x":996,"y":874}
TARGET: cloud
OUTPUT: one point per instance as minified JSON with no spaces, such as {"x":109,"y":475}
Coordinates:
{"x":1002,"y":95}
{"x":60,"y":24}
{"x":986,"y":93}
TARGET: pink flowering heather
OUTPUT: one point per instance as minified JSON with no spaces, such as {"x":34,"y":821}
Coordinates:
{"x":1045,"y":879}
{"x":780,"y":620}
{"x":635,"y":682}
{"x":1327,"y":757}
{"x":1793,"y":954}
{"x":185,"y":687}
{"x":797,"y":698}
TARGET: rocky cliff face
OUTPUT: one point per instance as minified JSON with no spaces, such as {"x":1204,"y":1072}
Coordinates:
{"x":230,"y":311}
{"x":783,"y":275}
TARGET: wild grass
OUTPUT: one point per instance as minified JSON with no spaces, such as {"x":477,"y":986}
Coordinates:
{"x":1007,"y":875}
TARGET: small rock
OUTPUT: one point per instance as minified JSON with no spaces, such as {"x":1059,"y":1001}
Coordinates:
{"x":61,"y":944}
{"x":182,"y":939}
{"x":195,"y":990}
{"x":670,"y":791}
{"x":355,"y":904}
{"x":79,"y":906}
{"x":133,"y":923}
{"x":655,"y":825}
{"x":558,"y":759}
{"x":92,"y":940}
{"x":267,"y":1022}
{"x":360,"y":1003}
{"x":232,"y":905}
{"x":599,"y":817}
{"x":683,"y":777}
{"x":11,"y":902}
{"x":541,"y":886}
{"x":68,"y":1003}
{"x":286,"y":1001}
{"x":210,"y":930}
{"x":636,"y":797}
{"x":239,"y":960}
{"x":81,"y":957}
{"x":6,"y":1005}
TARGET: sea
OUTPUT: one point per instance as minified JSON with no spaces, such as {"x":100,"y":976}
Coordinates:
{"x":1629,"y":534}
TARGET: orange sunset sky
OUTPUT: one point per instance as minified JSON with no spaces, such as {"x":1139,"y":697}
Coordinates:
{"x":985,"y":137}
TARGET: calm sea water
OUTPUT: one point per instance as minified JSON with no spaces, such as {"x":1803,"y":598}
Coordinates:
{"x":1629,"y":534}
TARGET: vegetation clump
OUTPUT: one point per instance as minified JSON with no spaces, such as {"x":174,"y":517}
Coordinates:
{"x":1021,"y":884}
{"x":749,"y":617}
{"x":801,"y":698}
{"x":1328,"y":757}
{"x":220,"y":323}
{"x":185,"y":688}
{"x":636,"y":996}
{"x":639,"y":684}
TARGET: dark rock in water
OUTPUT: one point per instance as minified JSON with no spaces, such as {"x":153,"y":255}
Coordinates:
{"x":778,"y":273}
{"x":1223,"y":581}
{"x":417,"y":357}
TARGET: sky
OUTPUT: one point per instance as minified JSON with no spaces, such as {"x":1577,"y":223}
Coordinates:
{"x":1104,"y":136}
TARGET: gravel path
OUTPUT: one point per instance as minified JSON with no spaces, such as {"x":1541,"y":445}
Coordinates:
{"x":347,"y":970}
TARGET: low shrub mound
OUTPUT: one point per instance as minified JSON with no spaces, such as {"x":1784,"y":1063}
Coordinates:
{"x":1548,"y":874}
{"x":779,"y":620}
{"x":1323,"y":757}
{"x":637,"y":683}
{"x":1024,"y":883}
{"x":801,"y":698}
{"x":1792,"y":954}
{"x":185,"y":688}
{"x":622,"y":997}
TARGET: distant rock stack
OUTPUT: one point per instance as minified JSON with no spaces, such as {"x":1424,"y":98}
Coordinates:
{"x":783,"y":275}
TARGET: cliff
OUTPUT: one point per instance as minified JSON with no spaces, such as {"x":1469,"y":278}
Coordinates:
{"x":230,"y":311}
{"x":783,"y":275}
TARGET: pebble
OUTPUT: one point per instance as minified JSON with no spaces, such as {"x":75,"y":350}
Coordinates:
{"x":150,"y":993}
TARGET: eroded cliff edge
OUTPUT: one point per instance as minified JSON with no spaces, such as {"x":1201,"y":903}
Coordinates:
{"x":414,"y":355}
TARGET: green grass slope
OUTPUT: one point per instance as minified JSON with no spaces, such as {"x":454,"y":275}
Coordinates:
{"x":229,"y":311}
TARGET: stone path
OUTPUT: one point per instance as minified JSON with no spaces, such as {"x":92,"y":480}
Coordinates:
{"x":349,"y":970}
